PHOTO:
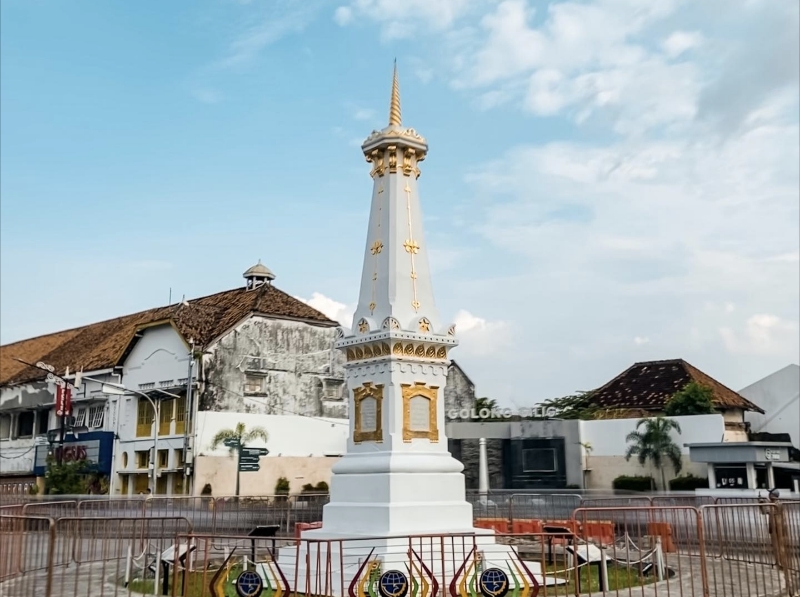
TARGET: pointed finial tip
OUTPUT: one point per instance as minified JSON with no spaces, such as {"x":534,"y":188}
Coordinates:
{"x":394,"y":106}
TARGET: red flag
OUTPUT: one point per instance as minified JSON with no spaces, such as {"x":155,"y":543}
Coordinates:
{"x":59,"y":400}
{"x":67,"y":401}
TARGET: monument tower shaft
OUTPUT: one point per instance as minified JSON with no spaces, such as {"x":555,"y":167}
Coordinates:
{"x":398,"y":475}
{"x":395,"y":279}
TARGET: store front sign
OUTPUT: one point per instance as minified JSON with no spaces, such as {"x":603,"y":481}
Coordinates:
{"x":94,"y":448}
{"x":472,"y":414}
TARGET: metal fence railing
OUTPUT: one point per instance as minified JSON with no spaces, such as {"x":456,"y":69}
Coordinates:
{"x":714,"y":550}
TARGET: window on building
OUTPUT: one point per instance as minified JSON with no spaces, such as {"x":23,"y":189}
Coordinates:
{"x":141,"y":483}
{"x":178,"y":459}
{"x":165,"y":416}
{"x":253,"y":384}
{"x":539,"y":460}
{"x":96,"y":413}
{"x":124,"y":461}
{"x":256,"y":364}
{"x":43,"y":422}
{"x":332,"y":389}
{"x":144,"y":418}
{"x":25,"y":422}
{"x":161,"y":485}
{"x":80,"y":416}
{"x":163,"y":458}
{"x":125,"y":489}
{"x":5,"y":426}
{"x":180,"y":415}
{"x":178,"y":484}
{"x":142,"y":458}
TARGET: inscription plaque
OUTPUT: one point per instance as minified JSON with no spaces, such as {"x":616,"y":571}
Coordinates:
{"x":369,"y":414}
{"x":367,"y":417}
{"x":419,"y":414}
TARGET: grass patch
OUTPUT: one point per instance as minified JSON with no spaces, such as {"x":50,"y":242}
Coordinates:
{"x":196,"y":584}
{"x":619,"y":577}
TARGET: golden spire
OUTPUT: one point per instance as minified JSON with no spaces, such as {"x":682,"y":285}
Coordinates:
{"x":394,"y":106}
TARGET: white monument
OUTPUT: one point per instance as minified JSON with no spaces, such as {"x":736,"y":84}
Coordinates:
{"x":397,"y":477}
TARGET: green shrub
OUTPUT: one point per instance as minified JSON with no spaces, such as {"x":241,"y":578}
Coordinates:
{"x":688,"y":483}
{"x":282,"y":487}
{"x":321,"y":487}
{"x":633,"y":483}
{"x":206,"y":489}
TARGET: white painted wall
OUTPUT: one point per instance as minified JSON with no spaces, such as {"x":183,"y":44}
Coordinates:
{"x":289,"y":435}
{"x":607,"y":438}
{"x":160,"y":359}
{"x":779,"y":395}
{"x":302,"y":449}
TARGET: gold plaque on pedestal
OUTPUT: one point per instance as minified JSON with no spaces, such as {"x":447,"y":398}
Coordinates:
{"x":368,"y":403}
{"x":419,"y":412}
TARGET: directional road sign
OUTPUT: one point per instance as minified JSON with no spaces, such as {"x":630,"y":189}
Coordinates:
{"x":244,"y":459}
{"x":254,"y":451}
{"x":231,"y":442}
{"x":248,"y":468}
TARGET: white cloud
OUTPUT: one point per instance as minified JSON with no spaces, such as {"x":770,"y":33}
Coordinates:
{"x":343,"y":15}
{"x":269,"y":23}
{"x":364,"y":114}
{"x":404,"y":19}
{"x":207,"y":95}
{"x":639,"y":340}
{"x":762,"y":334}
{"x":680,"y":42}
{"x":479,"y":337}
{"x":331,"y":308}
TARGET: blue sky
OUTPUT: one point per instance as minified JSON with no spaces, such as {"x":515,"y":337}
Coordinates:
{"x":608,"y":181}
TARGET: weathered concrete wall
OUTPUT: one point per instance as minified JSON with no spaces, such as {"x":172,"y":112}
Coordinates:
{"x":18,"y":453}
{"x":27,"y":396}
{"x":470,"y":455}
{"x":460,"y":391}
{"x":300,"y":371}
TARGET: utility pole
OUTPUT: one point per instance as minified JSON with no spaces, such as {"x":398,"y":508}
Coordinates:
{"x":188,"y":453}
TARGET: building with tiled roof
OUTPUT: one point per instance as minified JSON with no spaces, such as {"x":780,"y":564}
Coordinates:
{"x":643,"y":389}
{"x":255,"y":349}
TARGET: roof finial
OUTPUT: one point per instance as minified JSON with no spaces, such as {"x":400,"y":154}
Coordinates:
{"x":394,"y":107}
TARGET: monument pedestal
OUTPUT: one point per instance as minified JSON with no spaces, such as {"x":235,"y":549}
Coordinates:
{"x":326,"y":564}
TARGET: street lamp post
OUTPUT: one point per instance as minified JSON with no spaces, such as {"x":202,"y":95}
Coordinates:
{"x":120,"y":390}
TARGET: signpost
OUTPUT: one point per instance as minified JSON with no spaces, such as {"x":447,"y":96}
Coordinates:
{"x":246,"y":458}
{"x":64,"y":391}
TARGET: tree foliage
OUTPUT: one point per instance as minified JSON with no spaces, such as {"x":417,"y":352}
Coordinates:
{"x":692,"y":399}
{"x":239,"y":433}
{"x":574,"y":406}
{"x":67,"y":478}
{"x":651,"y":441}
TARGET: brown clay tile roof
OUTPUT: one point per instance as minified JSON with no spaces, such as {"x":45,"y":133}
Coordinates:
{"x":102,"y":345}
{"x":650,"y":384}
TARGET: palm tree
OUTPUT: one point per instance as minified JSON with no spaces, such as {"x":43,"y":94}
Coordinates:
{"x":235,"y":439}
{"x":655,"y":444}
